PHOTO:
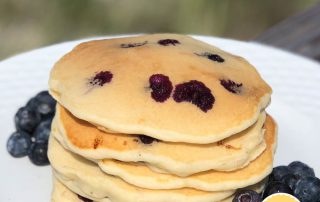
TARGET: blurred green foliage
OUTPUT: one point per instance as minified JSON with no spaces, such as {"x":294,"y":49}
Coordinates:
{"x":29,"y":24}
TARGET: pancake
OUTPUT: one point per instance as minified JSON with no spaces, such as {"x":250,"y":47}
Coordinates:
{"x":63,"y":194}
{"x":81,"y":175}
{"x":180,"y":159}
{"x":142,"y":176}
{"x":204,"y":94}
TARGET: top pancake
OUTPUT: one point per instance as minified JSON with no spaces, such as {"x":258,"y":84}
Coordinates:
{"x":125,"y":103}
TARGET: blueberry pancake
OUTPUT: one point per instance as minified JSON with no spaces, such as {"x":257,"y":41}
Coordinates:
{"x":170,"y":87}
{"x":180,"y":159}
{"x":158,"y":118}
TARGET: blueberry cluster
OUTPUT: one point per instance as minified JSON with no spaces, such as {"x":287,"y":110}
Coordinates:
{"x":193,"y":91}
{"x":33,"y":126}
{"x":297,"y":179}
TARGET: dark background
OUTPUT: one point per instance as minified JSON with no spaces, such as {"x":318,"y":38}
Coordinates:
{"x":28,"y":24}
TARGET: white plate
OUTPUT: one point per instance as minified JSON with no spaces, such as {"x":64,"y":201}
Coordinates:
{"x":295,"y":106}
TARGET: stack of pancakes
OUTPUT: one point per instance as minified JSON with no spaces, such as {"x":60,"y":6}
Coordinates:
{"x":113,"y":140}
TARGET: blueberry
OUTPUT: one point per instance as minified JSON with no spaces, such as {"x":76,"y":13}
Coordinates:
{"x":27,"y":120}
{"x":278,"y":172}
{"x":308,"y":189}
{"x":43,"y":103}
{"x":301,"y":169}
{"x":231,"y":86}
{"x":84,"y":199}
{"x":38,"y":154}
{"x":168,"y":42}
{"x":276,"y":187}
{"x":211,"y":56}
{"x":195,"y":92}
{"x":146,"y":139}
{"x":132,"y":45}
{"x":246,"y":195}
{"x":42,"y":132}
{"x":161,"y":87}
{"x":32,"y":104}
{"x":215,"y":57}
{"x":290,"y":180}
{"x":19,"y":144}
{"x":101,"y":78}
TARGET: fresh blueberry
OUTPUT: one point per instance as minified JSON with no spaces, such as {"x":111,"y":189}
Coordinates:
{"x":84,"y":199}
{"x":278,"y":172}
{"x":301,"y":169}
{"x":290,"y":180}
{"x":42,"y":132}
{"x":43,"y":103}
{"x":146,"y":139}
{"x":27,"y":120}
{"x":19,"y":144}
{"x":38,"y":154}
{"x":276,"y":187}
{"x":308,"y":189}
{"x":246,"y":195}
{"x":32,"y":104}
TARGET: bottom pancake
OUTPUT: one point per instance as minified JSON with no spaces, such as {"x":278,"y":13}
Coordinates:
{"x":79,"y":174}
{"x":61,"y":193}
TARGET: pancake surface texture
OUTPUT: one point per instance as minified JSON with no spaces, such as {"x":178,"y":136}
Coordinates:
{"x":209,"y":94}
{"x":178,"y":158}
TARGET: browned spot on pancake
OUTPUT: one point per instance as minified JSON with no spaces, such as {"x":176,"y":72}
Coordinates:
{"x":84,"y":135}
{"x":125,"y":143}
{"x":97,"y":142}
{"x":219,"y":143}
{"x":232,"y":147}
{"x":227,"y":146}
